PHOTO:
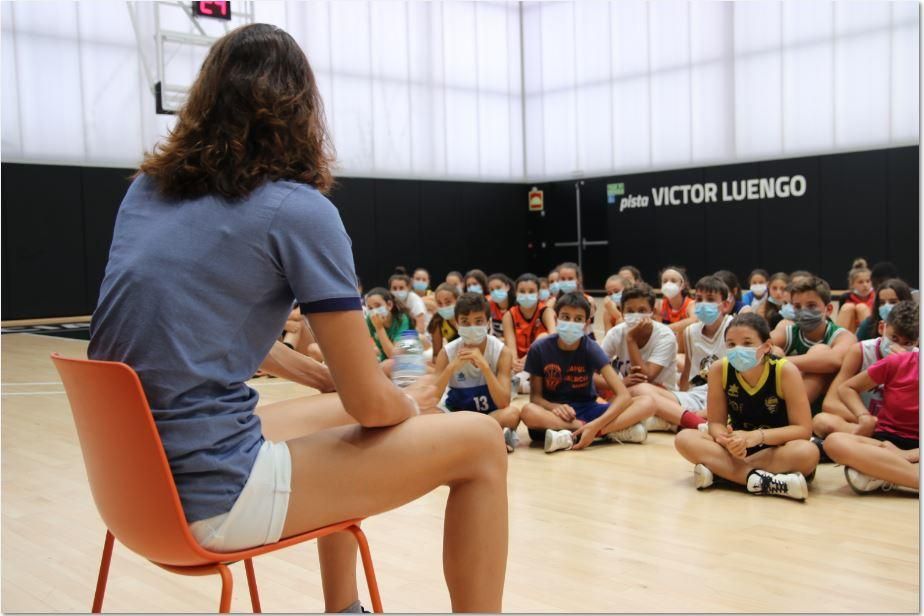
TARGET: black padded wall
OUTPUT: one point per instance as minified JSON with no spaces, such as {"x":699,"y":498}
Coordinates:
{"x":58,"y":221}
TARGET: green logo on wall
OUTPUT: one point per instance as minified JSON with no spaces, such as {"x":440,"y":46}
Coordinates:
{"x":614,"y":190}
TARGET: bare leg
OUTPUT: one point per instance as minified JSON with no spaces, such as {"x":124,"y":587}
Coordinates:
{"x":700,"y":448}
{"x":863,"y":313}
{"x":641,"y":408}
{"x":537,"y":418}
{"x":290,"y":419}
{"x":816,"y":384}
{"x":351,"y":472}
{"x":847,"y":316}
{"x":873,"y":458}
{"x":508,"y":417}
{"x":824,"y":424}
{"x":666,"y":405}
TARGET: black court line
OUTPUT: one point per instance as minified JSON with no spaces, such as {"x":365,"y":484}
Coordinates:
{"x":80,"y":331}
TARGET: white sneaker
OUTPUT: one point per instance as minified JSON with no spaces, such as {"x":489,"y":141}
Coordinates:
{"x":656,"y":424}
{"x":702,"y":477}
{"x":863,"y":484}
{"x":556,"y":440}
{"x":511,"y":439}
{"x":633,"y":434}
{"x":792,"y":485}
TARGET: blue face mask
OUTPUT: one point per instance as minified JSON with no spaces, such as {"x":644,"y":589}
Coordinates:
{"x":544,"y":294}
{"x":616,"y":298}
{"x":498,"y":295}
{"x":420,"y":285}
{"x":707,"y":312}
{"x":567,"y":286}
{"x":884,"y":310}
{"x":773,"y":300}
{"x":788,"y":312}
{"x":401,"y":295}
{"x":742,"y":358}
{"x":554,"y":287}
{"x":447,"y":312}
{"x":381,"y":311}
{"x":475,"y":288}
{"x":527,"y":300}
{"x":569,"y":331}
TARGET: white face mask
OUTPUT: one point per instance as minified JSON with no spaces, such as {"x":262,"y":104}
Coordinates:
{"x":758,"y":289}
{"x":634,"y":318}
{"x":473,"y":334}
{"x":670,"y":290}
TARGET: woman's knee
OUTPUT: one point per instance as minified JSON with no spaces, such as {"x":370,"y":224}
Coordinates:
{"x":687,"y":441}
{"x":529,"y":414}
{"x":805,"y":453}
{"x":480,"y":438}
{"x":838,"y":446}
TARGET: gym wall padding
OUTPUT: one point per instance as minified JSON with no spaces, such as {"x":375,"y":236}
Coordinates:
{"x":58,"y":220}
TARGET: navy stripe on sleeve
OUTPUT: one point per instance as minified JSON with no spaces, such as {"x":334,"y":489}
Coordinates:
{"x":335,"y":304}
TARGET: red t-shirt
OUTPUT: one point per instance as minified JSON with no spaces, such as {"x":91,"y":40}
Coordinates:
{"x":898,"y":375}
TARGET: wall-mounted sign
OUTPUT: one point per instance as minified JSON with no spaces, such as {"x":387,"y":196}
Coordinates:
{"x":751,"y":189}
{"x":535,"y":200}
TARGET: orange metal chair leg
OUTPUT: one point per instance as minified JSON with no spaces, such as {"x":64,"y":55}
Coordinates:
{"x":368,"y":568}
{"x":227,"y":584}
{"x":103,"y":573}
{"x":252,"y":584}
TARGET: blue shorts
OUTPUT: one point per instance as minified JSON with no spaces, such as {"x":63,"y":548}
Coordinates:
{"x":588,"y":411}
{"x":476,"y":399}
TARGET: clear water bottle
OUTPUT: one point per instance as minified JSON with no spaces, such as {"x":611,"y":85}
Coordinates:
{"x":410,"y":364}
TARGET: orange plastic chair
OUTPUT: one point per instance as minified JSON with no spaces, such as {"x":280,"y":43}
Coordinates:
{"x":134,"y":490}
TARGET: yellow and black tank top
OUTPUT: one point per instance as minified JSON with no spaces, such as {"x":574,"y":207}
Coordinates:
{"x":761,"y":406}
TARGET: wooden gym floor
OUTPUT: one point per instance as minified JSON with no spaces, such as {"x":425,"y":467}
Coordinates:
{"x":616,"y":528}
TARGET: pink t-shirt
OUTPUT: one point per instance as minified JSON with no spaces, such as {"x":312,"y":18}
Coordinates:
{"x":898,"y":375}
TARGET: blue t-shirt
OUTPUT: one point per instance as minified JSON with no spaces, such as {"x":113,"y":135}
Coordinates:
{"x":195,"y":293}
{"x":567,"y":376}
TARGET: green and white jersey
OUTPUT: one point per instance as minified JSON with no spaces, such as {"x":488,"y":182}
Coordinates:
{"x":796,"y":343}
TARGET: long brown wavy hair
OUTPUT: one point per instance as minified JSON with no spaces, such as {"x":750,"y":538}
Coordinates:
{"x":254,"y":114}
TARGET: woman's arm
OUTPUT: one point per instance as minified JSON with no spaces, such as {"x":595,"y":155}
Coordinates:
{"x":548,"y":319}
{"x":293,"y":366}
{"x":366,"y":392}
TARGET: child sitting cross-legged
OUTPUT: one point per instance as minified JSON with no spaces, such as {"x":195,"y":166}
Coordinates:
{"x":563,"y":407}
{"x":476,"y":368}
{"x":759,"y":419}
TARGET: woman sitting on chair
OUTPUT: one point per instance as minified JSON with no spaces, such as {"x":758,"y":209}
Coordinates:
{"x":225,"y":224}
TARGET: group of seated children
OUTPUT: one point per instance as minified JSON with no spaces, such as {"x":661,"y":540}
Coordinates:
{"x":760,"y":386}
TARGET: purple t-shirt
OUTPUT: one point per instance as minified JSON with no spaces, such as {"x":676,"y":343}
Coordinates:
{"x":567,"y":376}
{"x":195,"y":294}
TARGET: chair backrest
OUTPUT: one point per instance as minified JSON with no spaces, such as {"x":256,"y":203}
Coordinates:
{"x":128,"y":471}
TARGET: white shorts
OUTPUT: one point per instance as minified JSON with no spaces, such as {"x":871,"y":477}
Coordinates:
{"x":694,"y":399}
{"x":259,"y":513}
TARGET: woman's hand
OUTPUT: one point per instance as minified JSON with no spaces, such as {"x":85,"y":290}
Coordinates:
{"x":424,"y":393}
{"x":378,"y":321}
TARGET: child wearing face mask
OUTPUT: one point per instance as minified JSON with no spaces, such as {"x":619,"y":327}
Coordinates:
{"x":888,"y":293}
{"x":476,"y":281}
{"x":455,"y":279}
{"x":400,"y":287}
{"x":758,"y":285}
{"x":890,"y":456}
{"x":759,"y":419}
{"x":813,"y":343}
{"x":615,"y":285}
{"x":703,"y":344}
{"x":526,"y":322}
{"x":563,"y":408}
{"x":443,"y":328}
{"x":899,"y":331}
{"x":545,"y":290}
{"x":499,"y":288}
{"x":474,"y":370}
{"x":777,"y":299}
{"x":857,"y":304}
{"x":729,"y":278}
{"x":676,"y":308}
{"x":570,"y":280}
{"x":386,"y":319}
{"x":641,"y":349}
